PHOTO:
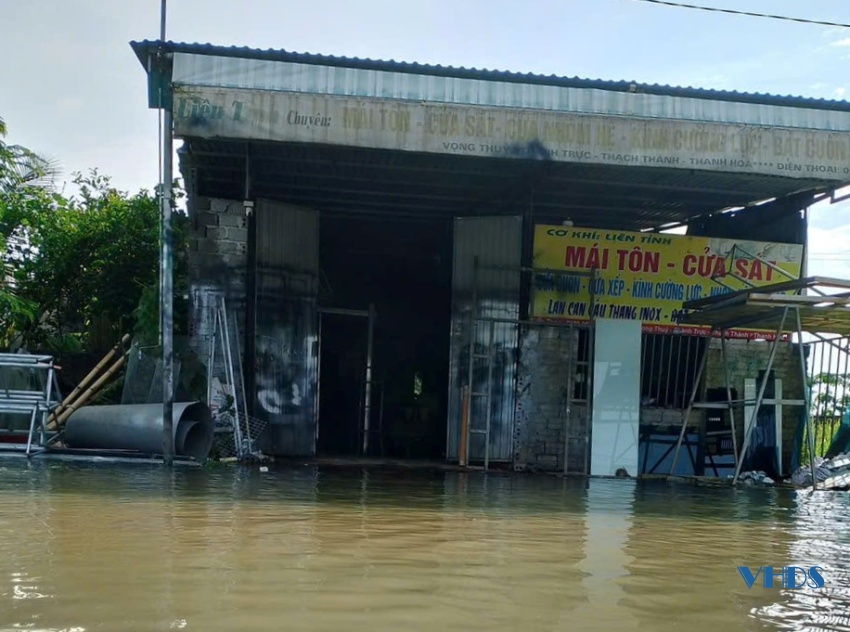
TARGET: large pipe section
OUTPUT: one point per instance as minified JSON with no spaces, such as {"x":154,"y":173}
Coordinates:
{"x":140,"y":427}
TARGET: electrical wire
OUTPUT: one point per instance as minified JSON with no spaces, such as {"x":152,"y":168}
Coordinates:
{"x":786,"y":18}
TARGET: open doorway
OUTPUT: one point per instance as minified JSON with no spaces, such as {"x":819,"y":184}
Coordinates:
{"x":342,"y":381}
{"x":404,"y":271}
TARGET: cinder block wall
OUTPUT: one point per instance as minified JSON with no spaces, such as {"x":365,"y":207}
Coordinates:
{"x":542,"y":402}
{"x":218,"y":257}
{"x":218,"y":244}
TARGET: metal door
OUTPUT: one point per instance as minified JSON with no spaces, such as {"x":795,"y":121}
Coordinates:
{"x":287,"y":326}
{"x":496,"y":242}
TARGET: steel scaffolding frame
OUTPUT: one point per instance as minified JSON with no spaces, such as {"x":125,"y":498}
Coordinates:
{"x":36,"y":403}
{"x":765,"y":305}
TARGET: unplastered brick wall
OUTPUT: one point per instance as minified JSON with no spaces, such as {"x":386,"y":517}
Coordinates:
{"x":745,"y":359}
{"x":542,"y":402}
{"x":218,"y":258}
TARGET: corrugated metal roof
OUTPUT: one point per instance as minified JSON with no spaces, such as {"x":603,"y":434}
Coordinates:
{"x":763,"y":307}
{"x":235,"y":73}
{"x":145,"y":47}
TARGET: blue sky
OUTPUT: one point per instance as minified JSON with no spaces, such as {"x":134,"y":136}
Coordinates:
{"x":71,"y":87}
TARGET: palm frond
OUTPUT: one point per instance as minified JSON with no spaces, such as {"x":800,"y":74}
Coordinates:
{"x":23,"y":168}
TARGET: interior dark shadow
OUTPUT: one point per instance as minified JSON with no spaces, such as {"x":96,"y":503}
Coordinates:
{"x":404,"y":270}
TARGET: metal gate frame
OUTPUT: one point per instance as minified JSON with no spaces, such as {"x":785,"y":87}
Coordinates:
{"x":467,"y":427}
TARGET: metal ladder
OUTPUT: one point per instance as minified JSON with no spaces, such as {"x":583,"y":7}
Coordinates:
{"x":487,"y":394}
{"x":221,"y":333}
{"x":34,"y":402}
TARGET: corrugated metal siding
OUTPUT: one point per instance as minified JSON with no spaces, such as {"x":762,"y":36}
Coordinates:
{"x":260,"y":74}
{"x":287,"y":237}
{"x":497,"y":241}
{"x":287,"y":322}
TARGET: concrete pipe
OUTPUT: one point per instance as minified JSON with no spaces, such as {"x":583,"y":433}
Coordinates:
{"x":139,"y":427}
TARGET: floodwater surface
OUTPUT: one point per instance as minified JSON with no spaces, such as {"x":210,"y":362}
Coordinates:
{"x":140,"y":548}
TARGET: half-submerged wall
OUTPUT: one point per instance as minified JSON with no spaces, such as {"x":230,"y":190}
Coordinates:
{"x":551,"y":400}
{"x":552,"y":404}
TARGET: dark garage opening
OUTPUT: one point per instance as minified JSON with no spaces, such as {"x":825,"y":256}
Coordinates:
{"x":404,"y":270}
{"x":342,"y":374}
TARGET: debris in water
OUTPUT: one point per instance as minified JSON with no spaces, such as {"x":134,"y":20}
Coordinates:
{"x":831,"y":473}
{"x":751,"y":478}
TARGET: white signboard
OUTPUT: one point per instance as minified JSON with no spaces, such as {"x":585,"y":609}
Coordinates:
{"x":509,"y":132}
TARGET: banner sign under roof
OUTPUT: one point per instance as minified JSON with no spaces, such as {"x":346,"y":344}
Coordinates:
{"x":489,"y":131}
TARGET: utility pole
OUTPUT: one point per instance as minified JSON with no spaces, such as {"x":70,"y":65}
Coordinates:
{"x":166,"y":265}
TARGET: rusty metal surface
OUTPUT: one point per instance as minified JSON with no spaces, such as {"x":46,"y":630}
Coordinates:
{"x":497,"y":242}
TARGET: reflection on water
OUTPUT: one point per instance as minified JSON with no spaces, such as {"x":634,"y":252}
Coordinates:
{"x":141,"y":548}
{"x":820,"y":537}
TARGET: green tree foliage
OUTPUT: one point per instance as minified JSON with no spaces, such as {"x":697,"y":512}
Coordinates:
{"x":22,"y":169}
{"x":830,"y":399}
{"x":830,"y":394}
{"x":82,"y":270}
{"x":26,"y":183}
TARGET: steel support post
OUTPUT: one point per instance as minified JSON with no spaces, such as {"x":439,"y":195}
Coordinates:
{"x":567,"y":425}
{"x":165,"y":295}
{"x":729,"y":394}
{"x":687,"y":415}
{"x":748,"y":428}
{"x":807,"y":395}
{"x":367,"y":404}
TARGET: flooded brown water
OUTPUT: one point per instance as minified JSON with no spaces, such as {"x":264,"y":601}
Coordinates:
{"x":138,"y":548}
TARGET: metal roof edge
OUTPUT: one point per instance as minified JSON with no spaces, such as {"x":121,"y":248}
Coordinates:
{"x":143,"y":48}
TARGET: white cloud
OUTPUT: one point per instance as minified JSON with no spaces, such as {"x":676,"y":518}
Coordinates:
{"x":840,"y":92}
{"x":842,"y":42}
{"x":832,"y":31}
